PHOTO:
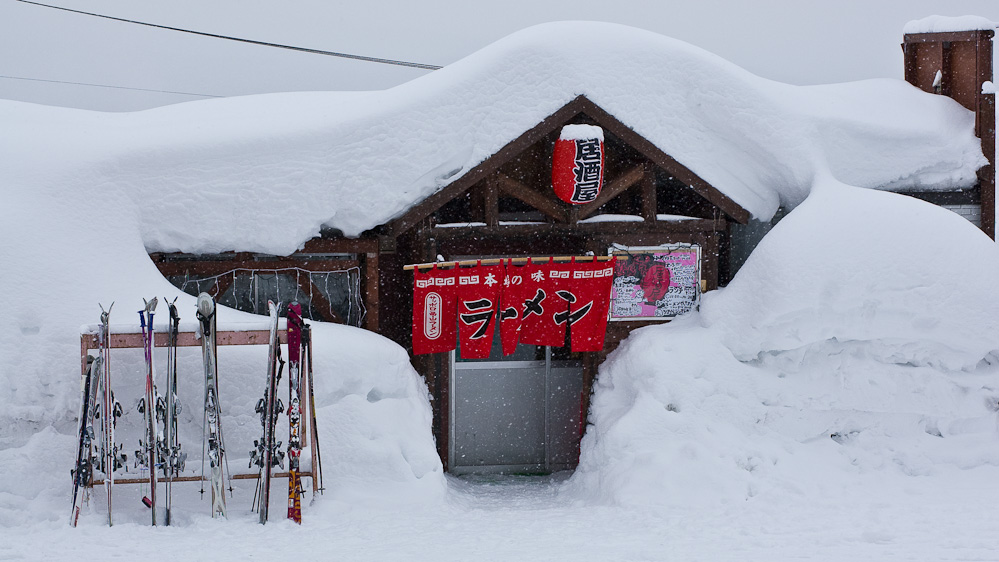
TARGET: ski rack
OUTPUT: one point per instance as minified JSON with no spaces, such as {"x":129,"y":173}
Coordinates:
{"x":189,"y":338}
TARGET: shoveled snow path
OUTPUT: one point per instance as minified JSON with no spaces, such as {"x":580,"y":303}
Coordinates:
{"x":949,"y":516}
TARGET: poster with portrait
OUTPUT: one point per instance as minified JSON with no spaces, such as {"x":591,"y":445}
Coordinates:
{"x":655,"y":282}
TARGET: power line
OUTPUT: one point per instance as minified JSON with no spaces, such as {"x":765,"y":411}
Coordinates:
{"x":107,"y":86}
{"x":242,"y":40}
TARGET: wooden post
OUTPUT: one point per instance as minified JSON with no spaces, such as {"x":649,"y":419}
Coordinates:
{"x":987,"y":175}
{"x":371,"y":290}
{"x":649,"y":202}
{"x":491,"y":201}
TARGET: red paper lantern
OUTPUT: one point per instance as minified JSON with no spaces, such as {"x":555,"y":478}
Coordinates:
{"x":578,"y":164}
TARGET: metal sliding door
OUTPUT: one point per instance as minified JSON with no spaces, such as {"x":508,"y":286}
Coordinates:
{"x":520,"y":415}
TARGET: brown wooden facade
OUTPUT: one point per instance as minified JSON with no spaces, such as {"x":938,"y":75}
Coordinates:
{"x":506,"y":207}
{"x":361,"y":253}
{"x":964,"y":61}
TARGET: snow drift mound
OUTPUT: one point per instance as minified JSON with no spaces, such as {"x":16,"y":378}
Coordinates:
{"x":849,"y":264}
{"x":857,"y":344}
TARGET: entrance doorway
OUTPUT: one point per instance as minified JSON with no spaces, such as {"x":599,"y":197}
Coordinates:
{"x":519,"y":414}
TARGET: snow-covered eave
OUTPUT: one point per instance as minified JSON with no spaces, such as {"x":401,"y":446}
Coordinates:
{"x":949,"y":24}
{"x":457,"y":182}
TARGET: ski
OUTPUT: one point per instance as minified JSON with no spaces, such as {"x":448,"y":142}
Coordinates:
{"x":147,"y":453}
{"x":317,"y":461}
{"x":212,"y":444}
{"x":111,"y":457}
{"x":267,"y":453}
{"x":170,"y":451}
{"x":294,"y":411}
{"x":82,"y":473}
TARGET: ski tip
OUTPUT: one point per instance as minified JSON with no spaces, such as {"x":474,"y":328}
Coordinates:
{"x":150,"y":304}
{"x":206,"y":306}
{"x":172,"y":307}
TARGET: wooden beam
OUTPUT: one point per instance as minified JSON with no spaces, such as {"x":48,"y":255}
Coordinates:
{"x":612,"y":190}
{"x":212,"y":267}
{"x":565,"y":229}
{"x":339,"y":246}
{"x":250,"y":476}
{"x":946,"y":36}
{"x":524,"y":193}
{"x":494,"y":261}
{"x":121,"y":340}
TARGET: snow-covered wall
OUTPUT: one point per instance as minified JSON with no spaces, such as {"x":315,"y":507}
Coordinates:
{"x":229,"y":173}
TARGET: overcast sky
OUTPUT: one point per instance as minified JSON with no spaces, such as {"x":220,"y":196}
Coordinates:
{"x":794,"y":41}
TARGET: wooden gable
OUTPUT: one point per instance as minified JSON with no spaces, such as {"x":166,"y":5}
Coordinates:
{"x":640,"y":178}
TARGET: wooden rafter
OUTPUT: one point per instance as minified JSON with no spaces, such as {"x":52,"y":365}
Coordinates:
{"x":616,"y":187}
{"x":547,"y":205}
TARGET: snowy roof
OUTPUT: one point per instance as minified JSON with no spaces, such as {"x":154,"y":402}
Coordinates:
{"x":265,"y":173}
{"x":942,"y":24}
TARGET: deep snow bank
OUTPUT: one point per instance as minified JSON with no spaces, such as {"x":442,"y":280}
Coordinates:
{"x":859,"y":338}
{"x":858,"y":265}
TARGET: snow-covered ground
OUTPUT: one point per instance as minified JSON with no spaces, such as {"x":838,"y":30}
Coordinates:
{"x":947,"y":517}
{"x":838,"y":401}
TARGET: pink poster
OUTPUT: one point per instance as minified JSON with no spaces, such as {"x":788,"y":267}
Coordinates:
{"x":655,"y":283}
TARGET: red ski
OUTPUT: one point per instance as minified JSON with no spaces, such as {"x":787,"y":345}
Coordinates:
{"x":294,"y":411}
